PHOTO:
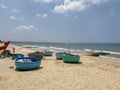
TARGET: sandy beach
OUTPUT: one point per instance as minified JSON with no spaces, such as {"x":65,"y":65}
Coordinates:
{"x":92,"y":73}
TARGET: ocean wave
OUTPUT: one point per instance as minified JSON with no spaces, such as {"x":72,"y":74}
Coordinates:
{"x":29,"y":46}
{"x":111,"y":52}
{"x":66,"y":49}
{"x":75,"y":49}
{"x":109,"y":57}
{"x":87,"y":50}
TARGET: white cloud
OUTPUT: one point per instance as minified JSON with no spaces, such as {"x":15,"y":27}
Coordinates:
{"x":75,"y":5}
{"x":69,"y":5}
{"x":24,"y":27}
{"x":97,"y":1}
{"x":2,"y":6}
{"x":47,"y":1}
{"x":41,"y":15}
{"x":12,"y":17}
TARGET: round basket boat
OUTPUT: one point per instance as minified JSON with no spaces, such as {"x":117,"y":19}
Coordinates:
{"x":59,"y":55}
{"x":27,"y":63}
{"x":36,"y":54}
{"x":48,"y":53}
{"x":71,"y":58}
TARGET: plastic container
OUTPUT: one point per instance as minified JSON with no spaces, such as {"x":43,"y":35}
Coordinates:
{"x":15,"y":56}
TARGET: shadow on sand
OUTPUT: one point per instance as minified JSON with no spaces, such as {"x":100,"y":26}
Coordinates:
{"x":73,"y":63}
{"x":28,"y":70}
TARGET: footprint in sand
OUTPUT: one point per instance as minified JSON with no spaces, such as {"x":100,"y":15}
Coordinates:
{"x":11,"y":67}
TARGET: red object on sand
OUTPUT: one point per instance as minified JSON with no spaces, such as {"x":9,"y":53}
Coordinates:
{"x":3,"y":47}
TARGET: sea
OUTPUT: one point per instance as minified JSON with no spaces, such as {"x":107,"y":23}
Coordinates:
{"x":112,"y":48}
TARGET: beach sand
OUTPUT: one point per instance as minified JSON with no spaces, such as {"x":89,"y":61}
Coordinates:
{"x":92,"y":73}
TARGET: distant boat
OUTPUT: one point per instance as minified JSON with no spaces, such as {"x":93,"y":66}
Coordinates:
{"x":48,"y":53}
{"x":27,"y":63}
{"x":36,"y":54}
{"x":97,"y":54}
{"x":3,"y":47}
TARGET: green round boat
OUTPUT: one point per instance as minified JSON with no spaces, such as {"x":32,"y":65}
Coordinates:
{"x":59,"y":55}
{"x":71,"y":58}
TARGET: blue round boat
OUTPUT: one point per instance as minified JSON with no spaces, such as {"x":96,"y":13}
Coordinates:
{"x":48,"y":53}
{"x":27,"y":63}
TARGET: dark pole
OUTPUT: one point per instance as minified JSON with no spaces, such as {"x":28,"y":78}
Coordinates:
{"x":68,"y":49}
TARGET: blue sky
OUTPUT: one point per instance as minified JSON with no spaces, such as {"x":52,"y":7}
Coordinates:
{"x":77,"y":21}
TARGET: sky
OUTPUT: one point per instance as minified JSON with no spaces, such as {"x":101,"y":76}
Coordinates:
{"x":71,"y":21}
